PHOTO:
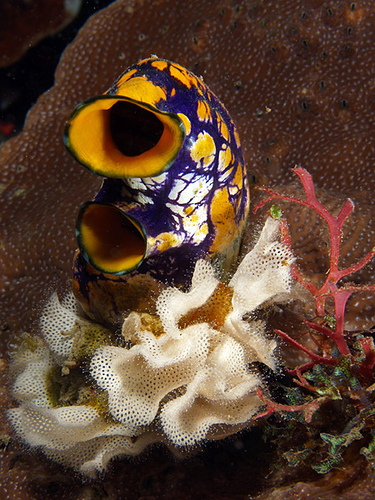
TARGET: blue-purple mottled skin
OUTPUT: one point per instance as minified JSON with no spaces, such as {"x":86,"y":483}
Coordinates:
{"x":160,"y":207}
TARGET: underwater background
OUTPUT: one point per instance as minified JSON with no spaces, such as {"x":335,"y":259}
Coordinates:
{"x":298,"y":80}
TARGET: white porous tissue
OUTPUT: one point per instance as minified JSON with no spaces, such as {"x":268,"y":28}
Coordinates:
{"x":180,"y":375}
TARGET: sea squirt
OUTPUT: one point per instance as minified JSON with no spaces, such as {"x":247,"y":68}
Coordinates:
{"x":171,"y":210}
{"x":174,"y":190}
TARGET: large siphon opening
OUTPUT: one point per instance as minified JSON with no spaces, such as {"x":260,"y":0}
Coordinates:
{"x":134,"y":130}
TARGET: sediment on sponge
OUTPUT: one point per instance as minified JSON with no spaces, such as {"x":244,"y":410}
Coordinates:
{"x":176,"y":375}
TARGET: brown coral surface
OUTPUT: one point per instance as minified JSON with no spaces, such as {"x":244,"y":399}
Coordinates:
{"x":24,"y":22}
{"x":298,"y":78}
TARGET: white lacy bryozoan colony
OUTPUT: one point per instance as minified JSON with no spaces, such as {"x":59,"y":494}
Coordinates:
{"x":181,"y":376}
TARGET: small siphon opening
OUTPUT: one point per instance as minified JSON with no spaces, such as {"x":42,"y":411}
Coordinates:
{"x":134,"y":130}
{"x":110,"y":239}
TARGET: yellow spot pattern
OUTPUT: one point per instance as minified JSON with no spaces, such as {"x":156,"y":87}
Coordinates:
{"x":223,"y":218}
{"x":225,"y":158}
{"x":164,"y":241}
{"x":202,"y":231}
{"x":185,"y":120}
{"x":204,"y":112}
{"x":181,"y":75}
{"x":126,"y":77}
{"x":162,"y":65}
{"x":141,"y":89}
{"x":186,"y":78}
{"x":237,"y":137}
{"x":223,"y":129}
{"x":204,"y":149}
{"x":238,"y":178}
{"x":194,"y":219}
{"x":188,"y":210}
